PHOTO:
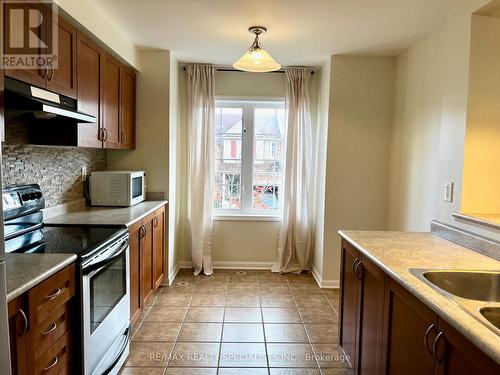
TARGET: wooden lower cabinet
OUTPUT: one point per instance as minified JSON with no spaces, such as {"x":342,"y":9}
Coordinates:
{"x":135,"y":270}
{"x":387,"y":330}
{"x":147,"y":259}
{"x":40,"y":326}
{"x":159,"y":245}
{"x":407,"y":321}
{"x":361,"y":311}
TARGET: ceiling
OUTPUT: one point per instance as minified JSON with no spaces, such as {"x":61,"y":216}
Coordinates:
{"x":300,"y":32}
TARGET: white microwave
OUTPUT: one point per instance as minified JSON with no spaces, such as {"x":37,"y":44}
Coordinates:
{"x":117,"y":188}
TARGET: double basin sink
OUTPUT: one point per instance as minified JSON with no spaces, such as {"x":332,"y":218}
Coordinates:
{"x":477,"y":292}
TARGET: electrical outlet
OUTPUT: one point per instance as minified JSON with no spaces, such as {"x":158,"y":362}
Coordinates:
{"x":448,"y":192}
{"x":84,"y":173}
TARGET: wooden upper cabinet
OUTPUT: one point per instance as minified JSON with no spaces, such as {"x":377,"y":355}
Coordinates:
{"x":89,"y":90}
{"x":36,"y":77}
{"x":412,"y":329}
{"x":159,"y":245}
{"x":63,"y":78}
{"x":127,"y":109}
{"x":110,"y":101}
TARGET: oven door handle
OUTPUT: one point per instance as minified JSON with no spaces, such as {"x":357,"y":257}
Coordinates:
{"x":122,"y":349}
{"x":106,"y":261}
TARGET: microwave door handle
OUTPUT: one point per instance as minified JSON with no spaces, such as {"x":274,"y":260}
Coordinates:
{"x":106,"y":261}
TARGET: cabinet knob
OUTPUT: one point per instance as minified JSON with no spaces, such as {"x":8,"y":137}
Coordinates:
{"x":124,"y":137}
{"x":155,"y":221}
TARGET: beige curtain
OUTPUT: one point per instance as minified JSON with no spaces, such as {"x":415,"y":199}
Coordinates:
{"x":294,"y":243}
{"x":201,"y":119}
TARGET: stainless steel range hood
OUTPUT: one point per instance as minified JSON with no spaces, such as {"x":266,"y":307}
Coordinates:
{"x":27,"y":103}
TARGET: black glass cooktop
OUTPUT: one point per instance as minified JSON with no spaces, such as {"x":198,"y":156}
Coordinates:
{"x":79,"y":240}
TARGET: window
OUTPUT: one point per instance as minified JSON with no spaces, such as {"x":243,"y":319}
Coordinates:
{"x":249,"y":157}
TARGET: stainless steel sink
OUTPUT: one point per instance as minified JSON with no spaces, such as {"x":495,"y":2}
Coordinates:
{"x":477,"y":285}
{"x":492,"y":315}
{"x":476,"y":292}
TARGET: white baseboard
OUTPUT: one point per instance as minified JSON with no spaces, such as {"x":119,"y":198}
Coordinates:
{"x":172,"y":274}
{"x":325,"y":284}
{"x":232,"y":265}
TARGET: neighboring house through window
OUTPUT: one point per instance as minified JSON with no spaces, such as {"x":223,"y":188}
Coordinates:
{"x":249,"y":157}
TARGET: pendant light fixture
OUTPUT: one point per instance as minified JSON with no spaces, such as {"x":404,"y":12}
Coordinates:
{"x":256,"y":59}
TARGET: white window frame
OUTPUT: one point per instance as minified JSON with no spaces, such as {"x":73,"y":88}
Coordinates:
{"x":246,"y":212}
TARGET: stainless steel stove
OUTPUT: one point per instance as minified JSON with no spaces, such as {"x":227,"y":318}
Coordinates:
{"x":103,"y":274}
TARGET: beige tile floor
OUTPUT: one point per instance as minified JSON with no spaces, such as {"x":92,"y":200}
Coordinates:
{"x":238,"y":322}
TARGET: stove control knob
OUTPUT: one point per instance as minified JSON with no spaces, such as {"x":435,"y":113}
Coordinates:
{"x":25,"y":197}
{"x":38,"y":194}
{"x":32,"y":195}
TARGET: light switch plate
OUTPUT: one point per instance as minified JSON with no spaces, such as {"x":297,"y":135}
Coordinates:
{"x":448,"y":192}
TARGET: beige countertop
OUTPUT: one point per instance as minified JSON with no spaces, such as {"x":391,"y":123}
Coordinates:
{"x":125,"y":216}
{"x":24,"y":271}
{"x":397,"y":252}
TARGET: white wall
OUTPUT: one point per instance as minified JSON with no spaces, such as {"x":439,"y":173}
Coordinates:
{"x":152,"y":119}
{"x":415,"y":135}
{"x":90,"y":15}
{"x":321,"y":144}
{"x":447,"y":50}
{"x":175,"y":187}
{"x":481,"y":185}
{"x":357,"y":173}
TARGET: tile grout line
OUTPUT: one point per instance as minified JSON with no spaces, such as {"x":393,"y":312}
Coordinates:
{"x":222,"y":328}
{"x":304,"y":325}
{"x":182,"y":324}
{"x":263,"y":326}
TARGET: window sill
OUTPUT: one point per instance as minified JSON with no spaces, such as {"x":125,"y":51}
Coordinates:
{"x":240,"y":217}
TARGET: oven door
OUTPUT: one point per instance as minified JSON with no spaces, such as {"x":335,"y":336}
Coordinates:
{"x":106,"y":307}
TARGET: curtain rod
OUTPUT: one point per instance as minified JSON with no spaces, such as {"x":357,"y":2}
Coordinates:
{"x":226,"y":69}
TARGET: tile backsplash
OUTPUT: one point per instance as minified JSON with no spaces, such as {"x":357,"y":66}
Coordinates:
{"x":56,"y":169}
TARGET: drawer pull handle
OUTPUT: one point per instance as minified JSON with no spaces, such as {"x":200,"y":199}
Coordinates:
{"x":52,"y":328}
{"x":54,"y":362}
{"x":54,"y":294}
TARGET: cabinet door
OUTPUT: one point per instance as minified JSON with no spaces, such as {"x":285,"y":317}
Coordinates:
{"x":127,"y":108}
{"x":18,"y":327}
{"x":147,"y":260}
{"x":159,"y":244}
{"x":34,"y":77}
{"x":110,"y":101}
{"x":89,"y":90}
{"x":63,"y":79}
{"x":371,"y":321}
{"x":135,"y":271}
{"x":411,"y":327}
{"x":349,"y":298}
{"x":456,"y":355}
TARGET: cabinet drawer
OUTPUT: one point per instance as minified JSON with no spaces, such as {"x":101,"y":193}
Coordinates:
{"x":45,"y":334}
{"x":50,"y":295}
{"x":55,"y":359}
